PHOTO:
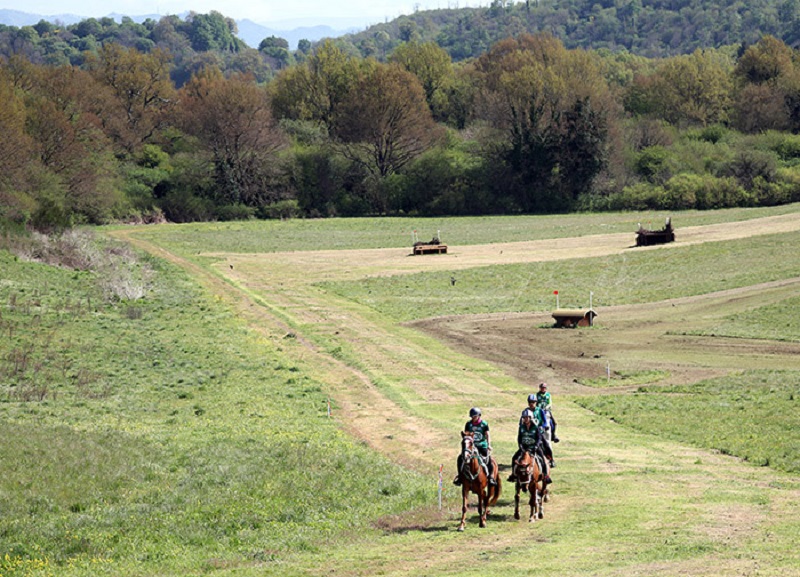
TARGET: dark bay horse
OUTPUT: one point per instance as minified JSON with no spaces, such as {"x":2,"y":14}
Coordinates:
{"x":530,"y":479}
{"x":473,"y":479}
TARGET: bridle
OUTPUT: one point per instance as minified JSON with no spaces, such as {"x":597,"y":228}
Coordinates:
{"x":524,"y":475}
{"x":469,"y":453}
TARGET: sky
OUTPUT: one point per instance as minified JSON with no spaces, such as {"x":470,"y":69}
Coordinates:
{"x":261,"y":11}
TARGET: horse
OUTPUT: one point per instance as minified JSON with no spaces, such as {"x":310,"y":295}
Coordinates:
{"x":531,"y":474}
{"x":473,"y":479}
{"x":523,"y":470}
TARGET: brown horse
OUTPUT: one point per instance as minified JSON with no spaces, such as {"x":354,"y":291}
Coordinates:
{"x":473,"y":479}
{"x":530,"y":479}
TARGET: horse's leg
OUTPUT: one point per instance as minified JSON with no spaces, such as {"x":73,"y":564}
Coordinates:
{"x":464,"y":498}
{"x":541,"y":499}
{"x":483,"y":504}
{"x":516,"y":502}
{"x":533,"y":489}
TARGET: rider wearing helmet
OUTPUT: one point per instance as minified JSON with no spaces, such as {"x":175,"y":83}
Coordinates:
{"x":546,"y":404}
{"x":540,"y":418}
{"x":530,"y":438}
{"x":480,"y":430}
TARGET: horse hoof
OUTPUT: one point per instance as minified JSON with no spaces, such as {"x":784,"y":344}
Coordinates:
{"x":516,"y":516}
{"x":461,"y":529}
{"x":541,"y":515}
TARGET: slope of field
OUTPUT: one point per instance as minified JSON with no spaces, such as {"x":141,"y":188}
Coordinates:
{"x":625,"y":503}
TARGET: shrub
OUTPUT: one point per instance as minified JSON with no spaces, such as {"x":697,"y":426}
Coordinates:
{"x":283,"y":209}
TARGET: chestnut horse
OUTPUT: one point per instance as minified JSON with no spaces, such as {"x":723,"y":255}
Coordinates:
{"x":473,"y":479}
{"x":530,"y":479}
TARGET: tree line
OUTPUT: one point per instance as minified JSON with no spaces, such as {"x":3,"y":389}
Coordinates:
{"x":529,"y":126}
{"x":654,"y":28}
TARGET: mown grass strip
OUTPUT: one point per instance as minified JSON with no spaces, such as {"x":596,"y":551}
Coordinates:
{"x":392,"y":232}
{"x":630,"y":278}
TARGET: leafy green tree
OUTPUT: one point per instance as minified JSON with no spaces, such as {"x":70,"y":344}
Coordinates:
{"x":538,"y":94}
{"x":213,"y":31}
{"x":694,"y":89}
{"x":385,"y":121}
{"x":764,"y":62}
{"x":317,"y":89}
{"x":427,"y":61}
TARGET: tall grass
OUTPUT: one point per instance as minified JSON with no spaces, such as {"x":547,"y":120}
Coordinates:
{"x":169,"y":442}
{"x":754,"y":415}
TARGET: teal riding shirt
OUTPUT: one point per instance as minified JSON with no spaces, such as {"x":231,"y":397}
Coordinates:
{"x":479,"y":431}
{"x":528,"y":437}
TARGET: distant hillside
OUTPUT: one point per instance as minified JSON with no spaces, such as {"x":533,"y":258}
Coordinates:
{"x":651,"y":28}
{"x":252,"y":33}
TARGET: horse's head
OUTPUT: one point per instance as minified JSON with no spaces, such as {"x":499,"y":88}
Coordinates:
{"x":467,"y":445}
{"x":523,"y":468}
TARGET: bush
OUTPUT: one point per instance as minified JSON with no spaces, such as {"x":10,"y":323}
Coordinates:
{"x":283,"y":209}
{"x":234,"y":212}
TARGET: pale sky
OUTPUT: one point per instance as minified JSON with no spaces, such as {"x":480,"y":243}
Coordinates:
{"x":261,"y":11}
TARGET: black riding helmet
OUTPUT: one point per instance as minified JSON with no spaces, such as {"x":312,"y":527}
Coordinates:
{"x":474,"y":412}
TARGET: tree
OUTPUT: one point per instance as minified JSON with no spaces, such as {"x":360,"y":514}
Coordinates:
{"x":141,"y":90}
{"x":694,"y":89}
{"x":385,"y":121}
{"x":15,"y":153}
{"x":232,"y":120}
{"x":427,"y":61}
{"x":551,"y":108}
{"x":316,"y":89}
{"x":764,"y":61}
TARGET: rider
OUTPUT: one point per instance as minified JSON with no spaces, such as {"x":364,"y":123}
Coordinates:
{"x":530,"y":438}
{"x":546,"y":404}
{"x":542,"y":423}
{"x":480,"y":429}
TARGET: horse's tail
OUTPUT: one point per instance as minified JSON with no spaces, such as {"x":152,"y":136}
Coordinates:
{"x":495,"y":490}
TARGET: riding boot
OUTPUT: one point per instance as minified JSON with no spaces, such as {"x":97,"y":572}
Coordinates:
{"x":552,"y":464}
{"x":457,"y":480}
{"x":548,"y":480}
{"x":512,"y":477}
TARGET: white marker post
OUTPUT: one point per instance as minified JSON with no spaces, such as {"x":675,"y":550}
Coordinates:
{"x":556,"y":293}
{"x":440,"y":485}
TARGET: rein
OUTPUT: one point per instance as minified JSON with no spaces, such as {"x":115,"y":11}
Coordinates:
{"x":469,"y":455}
{"x":524,"y":476}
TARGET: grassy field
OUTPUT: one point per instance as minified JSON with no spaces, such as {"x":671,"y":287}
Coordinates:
{"x":187,"y":433}
{"x":355,"y":233}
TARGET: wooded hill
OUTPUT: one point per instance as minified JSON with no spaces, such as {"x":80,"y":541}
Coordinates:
{"x":177,"y":119}
{"x":653,"y":28}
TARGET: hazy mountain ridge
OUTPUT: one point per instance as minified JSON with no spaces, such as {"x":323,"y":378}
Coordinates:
{"x":248,"y":30}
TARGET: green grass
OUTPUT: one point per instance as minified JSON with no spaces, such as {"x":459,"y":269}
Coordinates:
{"x":779,"y":322}
{"x":166,"y":442}
{"x":625,"y":378}
{"x":630,"y":278}
{"x":392,"y":232}
{"x":754,"y":415}
{"x":172,"y":439}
